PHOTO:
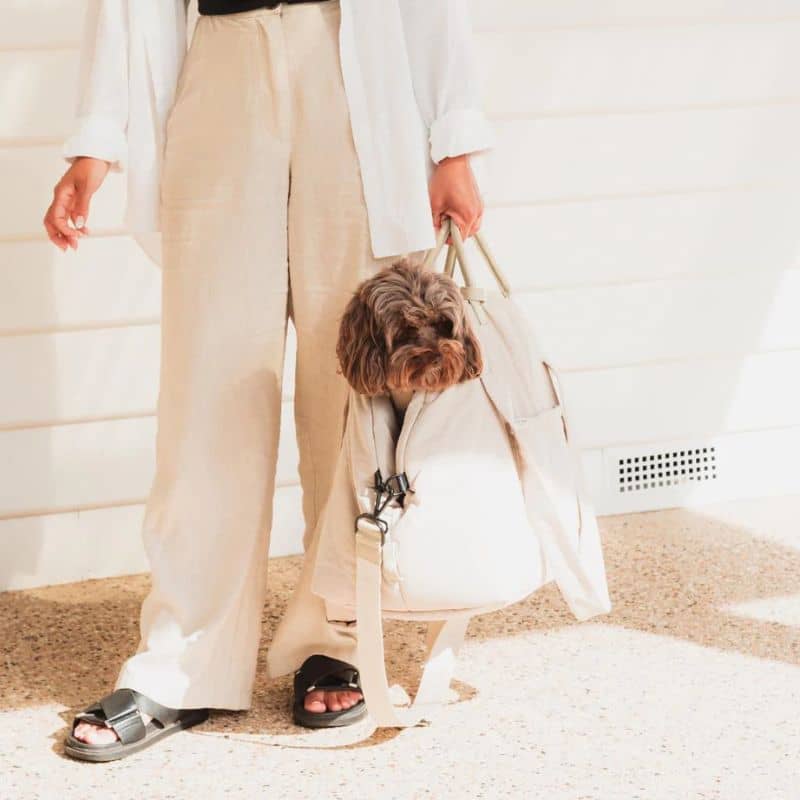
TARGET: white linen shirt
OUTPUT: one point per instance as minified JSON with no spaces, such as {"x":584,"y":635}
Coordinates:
{"x":410,"y":78}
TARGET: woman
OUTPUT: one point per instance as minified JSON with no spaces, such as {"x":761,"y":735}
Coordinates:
{"x":296,"y":149}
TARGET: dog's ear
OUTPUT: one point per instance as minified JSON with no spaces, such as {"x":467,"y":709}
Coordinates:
{"x":473,"y":356}
{"x":360,"y":348}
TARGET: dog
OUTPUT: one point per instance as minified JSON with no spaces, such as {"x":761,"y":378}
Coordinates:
{"x":406,"y":329}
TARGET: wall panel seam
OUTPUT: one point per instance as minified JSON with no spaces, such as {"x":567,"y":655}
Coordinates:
{"x":671,"y":277}
{"x":610,"y":111}
{"x":639,"y":24}
{"x":602,"y":448}
{"x":688,"y":360}
{"x":145,"y":322}
{"x":69,"y":422}
{"x":78,"y":509}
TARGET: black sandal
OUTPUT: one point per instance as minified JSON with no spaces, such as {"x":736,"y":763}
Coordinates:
{"x":330,"y":674}
{"x":122,"y":712}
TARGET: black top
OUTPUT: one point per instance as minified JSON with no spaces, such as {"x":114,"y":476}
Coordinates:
{"x":235,"y":6}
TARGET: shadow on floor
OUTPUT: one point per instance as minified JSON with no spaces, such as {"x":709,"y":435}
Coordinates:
{"x":669,"y":575}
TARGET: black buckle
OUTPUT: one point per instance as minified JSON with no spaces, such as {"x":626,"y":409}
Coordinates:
{"x":400,"y":481}
{"x":385,"y":490}
{"x":393,"y":486}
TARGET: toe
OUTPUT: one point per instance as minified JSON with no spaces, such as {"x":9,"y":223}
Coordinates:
{"x":319,"y":701}
{"x":332,"y":701}
{"x":84,"y":732}
{"x":315,"y":701}
{"x":94,"y":734}
{"x":352,"y":698}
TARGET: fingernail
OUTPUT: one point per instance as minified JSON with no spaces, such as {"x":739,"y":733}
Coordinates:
{"x":79,"y":222}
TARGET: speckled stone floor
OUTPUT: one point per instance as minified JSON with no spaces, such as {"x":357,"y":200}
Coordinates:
{"x":690,"y":688}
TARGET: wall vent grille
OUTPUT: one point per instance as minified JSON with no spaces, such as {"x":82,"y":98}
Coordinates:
{"x":667,"y":468}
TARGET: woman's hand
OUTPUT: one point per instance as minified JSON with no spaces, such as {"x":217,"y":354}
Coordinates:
{"x":454,"y":193}
{"x":71,"y":198}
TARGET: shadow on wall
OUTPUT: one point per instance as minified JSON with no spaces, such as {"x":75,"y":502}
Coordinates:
{"x":31,"y":109}
{"x":76,"y":372}
{"x":671,"y":575}
{"x":25,"y":453}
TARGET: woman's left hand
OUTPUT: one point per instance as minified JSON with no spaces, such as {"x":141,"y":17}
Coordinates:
{"x":454,"y":193}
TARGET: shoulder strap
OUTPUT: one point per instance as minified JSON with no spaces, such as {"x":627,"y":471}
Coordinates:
{"x":443,"y":642}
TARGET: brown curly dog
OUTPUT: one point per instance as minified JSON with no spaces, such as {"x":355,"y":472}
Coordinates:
{"x":405,"y":328}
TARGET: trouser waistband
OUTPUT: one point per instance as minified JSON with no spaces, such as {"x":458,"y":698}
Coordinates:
{"x":237,"y":6}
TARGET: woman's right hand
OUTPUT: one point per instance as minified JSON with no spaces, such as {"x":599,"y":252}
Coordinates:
{"x":71,"y":198}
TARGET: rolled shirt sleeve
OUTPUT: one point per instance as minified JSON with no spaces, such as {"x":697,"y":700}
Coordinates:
{"x":102,"y":113}
{"x":444,"y":72}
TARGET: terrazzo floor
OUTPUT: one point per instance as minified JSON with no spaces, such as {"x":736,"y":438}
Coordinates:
{"x":690,"y":688}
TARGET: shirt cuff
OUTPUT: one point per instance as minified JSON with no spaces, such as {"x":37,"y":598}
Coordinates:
{"x":480,"y":163}
{"x":460,"y":131}
{"x":98,"y":137}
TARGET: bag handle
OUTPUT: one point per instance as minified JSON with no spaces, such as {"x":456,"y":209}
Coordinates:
{"x":457,"y":252}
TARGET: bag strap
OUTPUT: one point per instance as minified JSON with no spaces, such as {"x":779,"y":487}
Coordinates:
{"x":443,"y":642}
{"x":457,"y":252}
{"x":444,"y":637}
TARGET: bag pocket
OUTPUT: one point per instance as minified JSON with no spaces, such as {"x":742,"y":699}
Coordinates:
{"x":550,"y":476}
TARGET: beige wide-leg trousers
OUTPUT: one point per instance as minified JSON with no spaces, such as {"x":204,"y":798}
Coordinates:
{"x":263,"y":218}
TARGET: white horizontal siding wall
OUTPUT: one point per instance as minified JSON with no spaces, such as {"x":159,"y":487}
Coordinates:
{"x":643,"y":203}
{"x":79,"y":341}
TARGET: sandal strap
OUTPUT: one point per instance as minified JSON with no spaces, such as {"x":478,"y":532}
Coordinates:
{"x":122,"y":710}
{"x":323,"y":672}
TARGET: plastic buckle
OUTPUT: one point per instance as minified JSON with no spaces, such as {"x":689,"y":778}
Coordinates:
{"x":401,"y":480}
{"x":122,"y":717}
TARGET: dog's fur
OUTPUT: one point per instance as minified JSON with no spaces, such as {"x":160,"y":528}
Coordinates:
{"x":405,"y":328}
